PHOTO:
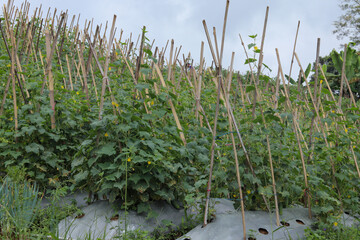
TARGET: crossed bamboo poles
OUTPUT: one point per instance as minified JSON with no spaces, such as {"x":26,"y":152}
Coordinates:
{"x":100,"y":47}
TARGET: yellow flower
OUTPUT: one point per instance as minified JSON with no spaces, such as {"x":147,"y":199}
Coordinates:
{"x":333,"y":111}
{"x":109,"y":68}
{"x":11,"y":119}
{"x":152,"y":103}
{"x":321,"y":81}
{"x":170,"y":148}
{"x":349,"y":196}
{"x":346,"y":130}
{"x":9,"y":65}
{"x":335,"y":224}
{"x":129,"y":159}
{"x":62,"y":87}
{"x":106,"y":135}
{"x":149,"y":162}
{"x":333,"y":186}
{"x":224,"y":154}
{"x":241,"y":109}
{"x":234,"y":195}
{"x":256,"y":48}
{"x":115,"y":104}
{"x":248,"y":191}
{"x":143,"y":139}
{"x":116,"y":53}
{"x":77,"y":93}
{"x":354,"y":147}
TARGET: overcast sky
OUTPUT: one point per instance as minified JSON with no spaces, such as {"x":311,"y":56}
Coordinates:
{"x":181,"y":20}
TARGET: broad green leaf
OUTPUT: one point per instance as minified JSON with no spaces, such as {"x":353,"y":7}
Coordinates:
{"x":34,"y":148}
{"x":108,"y":149}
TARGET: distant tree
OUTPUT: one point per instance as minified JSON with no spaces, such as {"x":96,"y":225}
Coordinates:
{"x":348,"y":24}
{"x":333,"y":65}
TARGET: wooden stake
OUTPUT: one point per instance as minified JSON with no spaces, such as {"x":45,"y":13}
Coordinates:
{"x":182,"y":136}
{"x":307,"y":193}
{"x":343,"y":74}
{"x":293,"y":54}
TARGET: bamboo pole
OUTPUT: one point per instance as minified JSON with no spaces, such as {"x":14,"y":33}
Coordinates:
{"x":138,"y":62}
{"x":260,"y":60}
{"x":105,"y":77}
{"x":198,"y":89}
{"x":13,"y":59}
{"x":341,"y":112}
{"x":343,"y":74}
{"x":234,"y":149}
{"x":268,"y":145}
{"x":293,"y":53}
{"x":69,"y":72}
{"x":14,"y":92}
{"x":297,"y":136}
{"x":212,"y":148}
{"x":80,"y":53}
{"x":314,"y":118}
{"x":177,"y":121}
{"x":50,"y":77}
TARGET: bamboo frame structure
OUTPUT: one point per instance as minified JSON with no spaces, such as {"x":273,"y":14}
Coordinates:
{"x":84,"y":59}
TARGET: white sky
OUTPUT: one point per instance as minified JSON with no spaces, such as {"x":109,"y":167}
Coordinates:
{"x":181,"y":20}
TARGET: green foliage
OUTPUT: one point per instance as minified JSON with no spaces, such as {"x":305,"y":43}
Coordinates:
{"x":347,"y":26}
{"x":333,"y":64}
{"x":332,"y":231}
{"x":133,"y":151}
{"x":18,"y":202}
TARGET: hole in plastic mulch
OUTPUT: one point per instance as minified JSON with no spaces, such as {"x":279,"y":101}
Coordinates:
{"x":285,"y":223}
{"x":115,"y":217}
{"x":300,"y":222}
{"x":80,"y":216}
{"x":263,"y":231}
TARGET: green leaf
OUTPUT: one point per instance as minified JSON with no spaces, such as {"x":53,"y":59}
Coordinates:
{"x":307,"y":71}
{"x":250,"y":60}
{"x":135,"y":178}
{"x":250,"y":88}
{"x":143,"y":207}
{"x":81,"y":176}
{"x":77,"y":162}
{"x":108,"y":149}
{"x":266,"y":66}
{"x":251,"y":45}
{"x":148,"y":51}
{"x":325,"y":91}
{"x":86,"y":142}
{"x":34,"y":148}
